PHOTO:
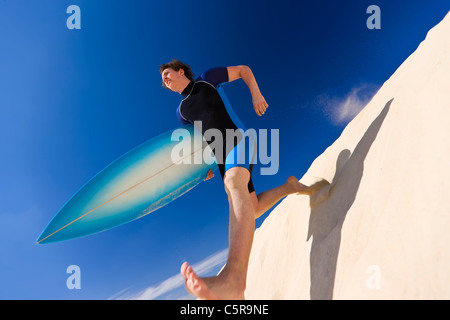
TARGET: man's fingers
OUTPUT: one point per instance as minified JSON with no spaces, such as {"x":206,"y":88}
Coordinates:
{"x":262,"y":109}
{"x":209,"y":175}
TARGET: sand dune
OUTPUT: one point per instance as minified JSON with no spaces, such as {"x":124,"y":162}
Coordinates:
{"x":381,"y":229}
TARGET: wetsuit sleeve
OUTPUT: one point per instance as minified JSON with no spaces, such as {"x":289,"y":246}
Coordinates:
{"x":215,"y":76}
{"x":182,"y":120}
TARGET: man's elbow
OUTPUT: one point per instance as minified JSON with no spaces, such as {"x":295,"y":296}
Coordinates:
{"x":244,"y":69}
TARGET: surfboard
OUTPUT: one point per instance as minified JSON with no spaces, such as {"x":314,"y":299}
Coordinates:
{"x":143,"y":180}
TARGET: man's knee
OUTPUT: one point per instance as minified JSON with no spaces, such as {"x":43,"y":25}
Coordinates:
{"x":236,"y":178}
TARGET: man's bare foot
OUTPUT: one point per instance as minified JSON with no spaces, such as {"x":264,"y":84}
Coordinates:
{"x":194,"y":284}
{"x":321,"y":185}
{"x":296,"y":186}
{"x":211,"y":288}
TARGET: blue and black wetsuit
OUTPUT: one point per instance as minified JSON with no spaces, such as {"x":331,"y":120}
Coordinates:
{"x":204,"y":100}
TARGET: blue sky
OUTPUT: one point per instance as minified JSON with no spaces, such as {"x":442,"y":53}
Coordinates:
{"x":72,"y":101}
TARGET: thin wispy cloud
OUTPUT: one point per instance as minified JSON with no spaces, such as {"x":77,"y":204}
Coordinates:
{"x":175,"y":282}
{"x":341,"y":110}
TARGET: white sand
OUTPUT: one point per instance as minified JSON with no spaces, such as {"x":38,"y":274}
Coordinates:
{"x":384,"y":230}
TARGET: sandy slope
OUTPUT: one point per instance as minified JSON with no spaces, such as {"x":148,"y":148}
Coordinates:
{"x":384,"y":230}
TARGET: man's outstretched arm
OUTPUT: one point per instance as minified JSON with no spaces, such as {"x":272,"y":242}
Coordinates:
{"x":245,"y":73}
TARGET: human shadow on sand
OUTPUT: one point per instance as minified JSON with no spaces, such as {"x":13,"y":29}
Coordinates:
{"x":327,"y":217}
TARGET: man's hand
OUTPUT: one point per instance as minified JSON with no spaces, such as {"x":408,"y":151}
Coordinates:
{"x":259,"y":104}
{"x":209,"y":175}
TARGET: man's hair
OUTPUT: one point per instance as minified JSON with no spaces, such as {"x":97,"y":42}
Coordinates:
{"x":177,"y":65}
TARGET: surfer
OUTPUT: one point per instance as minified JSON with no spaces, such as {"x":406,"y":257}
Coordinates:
{"x":202,"y":103}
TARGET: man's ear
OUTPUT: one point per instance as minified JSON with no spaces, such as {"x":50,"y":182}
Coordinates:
{"x":181,"y":72}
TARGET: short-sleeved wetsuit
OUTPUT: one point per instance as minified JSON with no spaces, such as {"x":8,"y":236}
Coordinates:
{"x":204,"y":100}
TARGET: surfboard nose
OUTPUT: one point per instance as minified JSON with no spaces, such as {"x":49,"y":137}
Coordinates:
{"x":138,"y":183}
{"x":43,"y":237}
{"x":48,"y":235}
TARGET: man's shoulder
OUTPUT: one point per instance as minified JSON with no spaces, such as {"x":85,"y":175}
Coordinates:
{"x":214,"y":76}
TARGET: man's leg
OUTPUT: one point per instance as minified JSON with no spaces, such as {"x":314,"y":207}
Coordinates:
{"x":230,"y":283}
{"x":267,"y":199}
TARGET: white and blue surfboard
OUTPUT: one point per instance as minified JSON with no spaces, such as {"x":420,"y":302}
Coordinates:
{"x":138,"y":183}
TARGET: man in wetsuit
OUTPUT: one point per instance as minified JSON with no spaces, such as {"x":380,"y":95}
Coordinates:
{"x":203,"y":104}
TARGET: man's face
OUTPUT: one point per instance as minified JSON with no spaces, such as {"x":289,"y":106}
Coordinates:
{"x":173,"y":79}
